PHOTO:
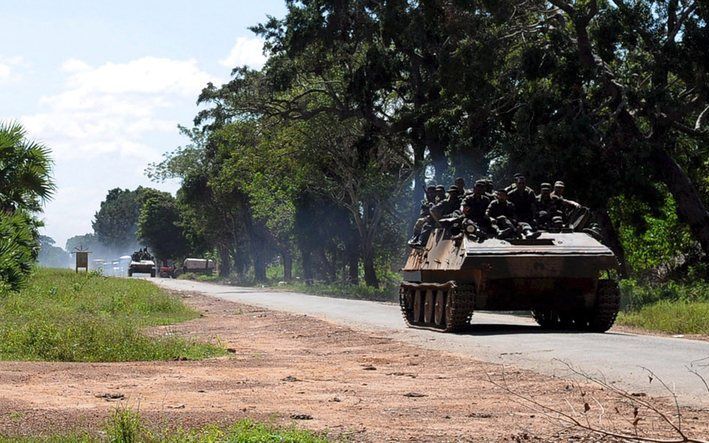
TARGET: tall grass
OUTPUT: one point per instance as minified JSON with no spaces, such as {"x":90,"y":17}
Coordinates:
{"x":64,"y":316}
{"x":676,"y":308}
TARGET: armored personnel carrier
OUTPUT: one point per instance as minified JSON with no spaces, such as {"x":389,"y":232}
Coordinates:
{"x":142,"y":263}
{"x":564,"y":278}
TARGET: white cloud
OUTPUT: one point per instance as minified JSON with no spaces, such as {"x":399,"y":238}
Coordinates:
{"x":9,"y":67}
{"x":246,"y":51}
{"x":105,"y":124}
{"x":114,"y":107}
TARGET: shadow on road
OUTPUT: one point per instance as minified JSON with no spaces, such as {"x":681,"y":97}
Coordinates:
{"x":484,"y":329}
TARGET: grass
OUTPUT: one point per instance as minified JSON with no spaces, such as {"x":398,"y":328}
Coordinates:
{"x":343,"y":290}
{"x":675,"y":308}
{"x":64,"y":316}
{"x":674,"y":317}
{"x":127,"y":426}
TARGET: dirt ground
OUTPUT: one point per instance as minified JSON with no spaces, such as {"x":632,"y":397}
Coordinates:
{"x":295,"y":370}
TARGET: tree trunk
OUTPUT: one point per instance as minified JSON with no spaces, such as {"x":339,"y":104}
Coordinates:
{"x":438,"y":158}
{"x":307,"y":263}
{"x":690,"y":208}
{"x":353,"y":266}
{"x":224,"y":262}
{"x":259,"y":263}
{"x":352,"y":256}
{"x":328,"y":269}
{"x":287,"y":265}
{"x":612,"y":240}
{"x":370,"y":273}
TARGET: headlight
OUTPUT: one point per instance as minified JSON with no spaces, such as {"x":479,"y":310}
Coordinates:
{"x":470,"y":229}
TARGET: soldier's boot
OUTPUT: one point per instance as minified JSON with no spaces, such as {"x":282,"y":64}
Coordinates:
{"x":507,"y":233}
{"x":529,"y":233}
{"x":414,"y":241}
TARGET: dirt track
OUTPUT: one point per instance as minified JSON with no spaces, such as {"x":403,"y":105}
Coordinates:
{"x":293,"y":369}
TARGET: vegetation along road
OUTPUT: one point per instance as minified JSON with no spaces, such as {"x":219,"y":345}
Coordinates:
{"x":620,"y":357}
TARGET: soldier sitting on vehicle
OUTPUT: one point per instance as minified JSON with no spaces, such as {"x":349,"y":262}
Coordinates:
{"x":440,"y":194}
{"x":502,"y":213}
{"x":489,"y":188}
{"x":524,"y":199}
{"x":424,"y":215}
{"x":449,"y":206}
{"x":548,"y":207}
{"x":441,"y":209}
{"x":459,"y":183}
{"x":474,"y":207}
{"x":574,"y":215}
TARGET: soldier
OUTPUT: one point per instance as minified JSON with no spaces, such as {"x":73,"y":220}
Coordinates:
{"x":489,"y":188}
{"x":477,"y":202}
{"x":559,"y":193}
{"x":573,"y":214}
{"x":424,"y":215}
{"x":548,"y":206}
{"x":448,"y":206}
{"x":501,"y":211}
{"x":440,"y":194}
{"x":474,"y":208}
{"x":460,"y":184}
{"x":503,"y":214}
{"x":524,"y":199}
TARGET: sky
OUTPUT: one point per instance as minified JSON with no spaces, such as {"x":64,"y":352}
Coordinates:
{"x":104,"y":85}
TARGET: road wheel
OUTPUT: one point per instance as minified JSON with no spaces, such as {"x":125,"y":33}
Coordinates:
{"x":152,"y":274}
{"x":439,"y":310}
{"x":130,"y":273}
{"x":546,"y":318}
{"x":603,"y":315}
{"x":418,"y":306}
{"x":428,"y":307}
{"x":460,"y":303}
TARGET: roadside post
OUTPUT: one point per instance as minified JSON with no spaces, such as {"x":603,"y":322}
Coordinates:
{"x":82,"y":258}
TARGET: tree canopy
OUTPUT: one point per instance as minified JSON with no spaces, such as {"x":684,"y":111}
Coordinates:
{"x":322,"y":154}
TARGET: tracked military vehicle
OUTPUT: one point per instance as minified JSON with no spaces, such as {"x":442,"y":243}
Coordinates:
{"x":564,"y":278}
{"x":142,"y":263}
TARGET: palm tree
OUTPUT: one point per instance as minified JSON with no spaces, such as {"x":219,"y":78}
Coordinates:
{"x":25,"y":170}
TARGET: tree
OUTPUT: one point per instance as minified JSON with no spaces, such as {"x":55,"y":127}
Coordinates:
{"x":25,"y":171}
{"x":159,"y":227}
{"x":115,"y":223}
{"x":25,"y":183}
{"x":51,"y":256}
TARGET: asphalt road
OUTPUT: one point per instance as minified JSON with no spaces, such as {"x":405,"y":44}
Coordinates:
{"x":518,"y":341}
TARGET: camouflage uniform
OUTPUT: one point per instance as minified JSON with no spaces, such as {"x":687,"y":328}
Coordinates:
{"x":525,"y":202}
{"x":449,"y":206}
{"x":477,"y":204}
{"x":572,"y":213}
{"x":501,"y":213}
{"x":548,"y":206}
{"x":424,"y":216}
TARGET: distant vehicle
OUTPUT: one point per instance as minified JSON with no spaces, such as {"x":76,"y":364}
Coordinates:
{"x":198,"y":266}
{"x":142,"y":263}
{"x":167,"y":269}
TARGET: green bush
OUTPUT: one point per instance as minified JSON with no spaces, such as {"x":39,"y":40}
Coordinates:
{"x":18,"y":249}
{"x":64,"y":316}
{"x":635,"y":295}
